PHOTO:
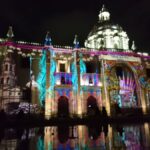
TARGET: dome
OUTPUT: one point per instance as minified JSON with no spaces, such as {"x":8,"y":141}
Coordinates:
{"x":107,"y":35}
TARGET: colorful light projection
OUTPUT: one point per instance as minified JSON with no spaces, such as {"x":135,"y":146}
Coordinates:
{"x":82,"y":65}
{"x":90,"y":79}
{"x":50,"y":107}
{"x":87,"y":79}
{"x":63,"y":78}
{"x":25,"y":47}
{"x":95,"y":137}
{"x":41,"y":79}
{"x":40,"y":143}
{"x":127,"y":91}
{"x":132,"y":137}
{"x":52,"y":77}
{"x":64,"y":91}
{"x":144,"y":82}
{"x":125,"y":95}
{"x":82,"y":71}
{"x":74,"y":74}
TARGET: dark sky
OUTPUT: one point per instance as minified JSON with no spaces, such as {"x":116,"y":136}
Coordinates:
{"x":64,"y":18}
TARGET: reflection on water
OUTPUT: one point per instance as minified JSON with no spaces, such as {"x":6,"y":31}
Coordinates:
{"x":91,"y":137}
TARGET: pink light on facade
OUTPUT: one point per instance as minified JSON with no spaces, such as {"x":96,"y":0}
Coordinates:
{"x":28,"y":46}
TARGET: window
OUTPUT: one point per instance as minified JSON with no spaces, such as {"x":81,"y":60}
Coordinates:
{"x":92,"y":67}
{"x":119,"y":72}
{"x":116,"y":46}
{"x":7,"y":80}
{"x":62,"y":67}
{"x":2,"y":80}
{"x":62,"y":80}
{"x":148,"y":72}
{"x":90,"y":80}
{"x":6,"y":67}
{"x":10,"y":67}
{"x":25,"y":62}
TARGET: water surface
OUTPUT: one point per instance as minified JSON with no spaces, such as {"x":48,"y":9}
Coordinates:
{"x":91,"y":137}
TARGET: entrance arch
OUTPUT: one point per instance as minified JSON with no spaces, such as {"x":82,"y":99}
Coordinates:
{"x":124,"y":86}
{"x":63,"y":107}
{"x":92,"y":107}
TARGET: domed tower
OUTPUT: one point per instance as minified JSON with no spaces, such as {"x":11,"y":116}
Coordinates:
{"x":106,"y":35}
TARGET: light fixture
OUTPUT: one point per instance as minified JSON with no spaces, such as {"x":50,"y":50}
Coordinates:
{"x":9,"y":50}
{"x":20,"y":52}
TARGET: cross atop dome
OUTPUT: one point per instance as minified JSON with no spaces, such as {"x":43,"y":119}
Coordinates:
{"x":10,"y":33}
{"x":103,"y":8}
{"x":104,"y":15}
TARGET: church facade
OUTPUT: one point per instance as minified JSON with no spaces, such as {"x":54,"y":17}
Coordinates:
{"x":79,"y":81}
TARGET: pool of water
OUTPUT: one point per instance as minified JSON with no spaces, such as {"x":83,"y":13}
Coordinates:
{"x":90,"y":137}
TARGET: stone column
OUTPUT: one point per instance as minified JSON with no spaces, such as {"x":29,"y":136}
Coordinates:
{"x":79,"y":100}
{"x":105,"y":92}
{"x":48,"y":101}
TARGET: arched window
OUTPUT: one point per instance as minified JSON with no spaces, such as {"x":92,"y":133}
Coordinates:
{"x":6,"y":67}
{"x":62,"y":67}
{"x":7,"y":80}
{"x":2,"y":80}
{"x":10,"y":67}
{"x":116,"y":46}
{"x":119,"y":71}
{"x":148,"y":73}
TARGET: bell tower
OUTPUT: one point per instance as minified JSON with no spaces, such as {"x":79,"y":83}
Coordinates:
{"x":8,"y":78}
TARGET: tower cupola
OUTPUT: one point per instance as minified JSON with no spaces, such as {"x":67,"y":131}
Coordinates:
{"x":104,"y":15}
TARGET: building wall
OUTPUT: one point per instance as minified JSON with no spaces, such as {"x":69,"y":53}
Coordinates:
{"x":76,"y":85}
{"x":102,"y":85}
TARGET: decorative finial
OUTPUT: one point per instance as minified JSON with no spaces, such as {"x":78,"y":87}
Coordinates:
{"x":48,"y":40}
{"x":10,"y":33}
{"x":133,"y":47}
{"x":76,"y":42}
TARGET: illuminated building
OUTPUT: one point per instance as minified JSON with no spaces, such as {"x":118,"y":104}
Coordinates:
{"x":79,"y":81}
{"x":107,"y":35}
{"x":10,"y":93}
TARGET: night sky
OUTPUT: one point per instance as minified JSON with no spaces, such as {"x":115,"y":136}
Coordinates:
{"x":31,"y":19}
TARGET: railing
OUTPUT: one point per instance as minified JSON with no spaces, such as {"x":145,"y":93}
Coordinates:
{"x":91,"y":79}
{"x":63,"y":78}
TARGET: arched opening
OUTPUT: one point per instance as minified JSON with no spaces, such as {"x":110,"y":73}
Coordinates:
{"x":92,"y":108}
{"x":63,"y":107}
{"x":7,"y":80}
{"x":123,"y":94}
{"x":6,"y":67}
{"x":93,"y":66}
{"x":2,"y":80}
